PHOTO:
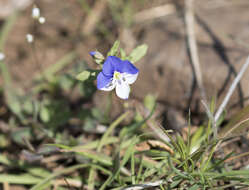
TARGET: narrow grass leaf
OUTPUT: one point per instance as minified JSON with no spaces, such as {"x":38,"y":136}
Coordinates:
{"x":178,"y":172}
{"x":133,"y":178}
{"x":197,"y":139}
{"x":126,"y":157}
{"x":140,"y":169}
{"x":194,"y":187}
{"x":94,"y":144}
{"x":39,"y":172}
{"x":110,"y":129}
{"x":56,"y":174}
{"x":24,"y":179}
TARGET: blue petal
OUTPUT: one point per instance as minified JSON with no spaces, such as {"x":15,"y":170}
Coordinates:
{"x":109,"y":65}
{"x":113,"y":63}
{"x":126,"y":67}
{"x":103,"y":80}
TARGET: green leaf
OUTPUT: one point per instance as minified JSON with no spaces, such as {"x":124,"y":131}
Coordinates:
{"x":87,"y":146}
{"x":110,"y":129}
{"x":3,"y":141}
{"x":125,"y":159}
{"x":66,"y":82}
{"x":138,"y":53}
{"x":83,"y":75}
{"x":19,"y":135}
{"x":45,"y":114}
{"x":114,"y":50}
{"x":28,"y":106}
{"x":182,"y":147}
{"x":14,"y":105}
{"x":19,"y":179}
{"x":197,"y":138}
{"x":39,"y":172}
{"x":14,"y":102}
{"x":64,"y":171}
{"x":194,"y":187}
{"x":99,"y":157}
{"x":87,"y":74}
{"x":123,"y":54}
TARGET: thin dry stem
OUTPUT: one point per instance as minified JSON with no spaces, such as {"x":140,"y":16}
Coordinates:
{"x":93,"y":18}
{"x":190,"y":27}
{"x":231,"y":90}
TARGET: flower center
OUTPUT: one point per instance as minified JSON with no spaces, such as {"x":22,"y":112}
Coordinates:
{"x":117,"y":75}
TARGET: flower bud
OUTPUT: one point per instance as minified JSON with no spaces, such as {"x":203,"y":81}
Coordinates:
{"x":97,"y":56}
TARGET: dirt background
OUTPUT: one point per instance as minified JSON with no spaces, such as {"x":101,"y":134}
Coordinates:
{"x":221,"y":27}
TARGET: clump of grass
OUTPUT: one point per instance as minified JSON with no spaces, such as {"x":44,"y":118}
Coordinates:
{"x":177,"y":164}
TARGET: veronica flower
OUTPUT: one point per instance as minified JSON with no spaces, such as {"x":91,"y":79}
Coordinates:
{"x":118,"y":74}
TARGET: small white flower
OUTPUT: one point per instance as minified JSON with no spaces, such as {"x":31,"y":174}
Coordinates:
{"x":29,"y":38}
{"x":2,"y":56}
{"x":117,"y":74}
{"x":35,"y":13}
{"x":42,"y":20}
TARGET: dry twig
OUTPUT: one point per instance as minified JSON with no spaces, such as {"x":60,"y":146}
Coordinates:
{"x":231,"y":90}
{"x":95,"y":15}
{"x":190,"y":27}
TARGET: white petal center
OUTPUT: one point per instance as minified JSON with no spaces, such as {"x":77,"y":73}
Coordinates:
{"x":130,"y":78}
{"x":122,"y":89}
{"x":121,"y":81}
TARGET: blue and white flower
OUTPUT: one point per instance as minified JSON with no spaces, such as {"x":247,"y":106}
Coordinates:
{"x":118,"y":74}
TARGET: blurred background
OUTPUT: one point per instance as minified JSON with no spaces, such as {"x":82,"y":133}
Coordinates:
{"x":41,"y":101}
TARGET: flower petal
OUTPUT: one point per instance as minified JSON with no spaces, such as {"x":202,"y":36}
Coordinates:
{"x":113,"y":63}
{"x":110,"y":64}
{"x":122,"y":90}
{"x":126,"y":67}
{"x":130,"y":78}
{"x":105,"y":83}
